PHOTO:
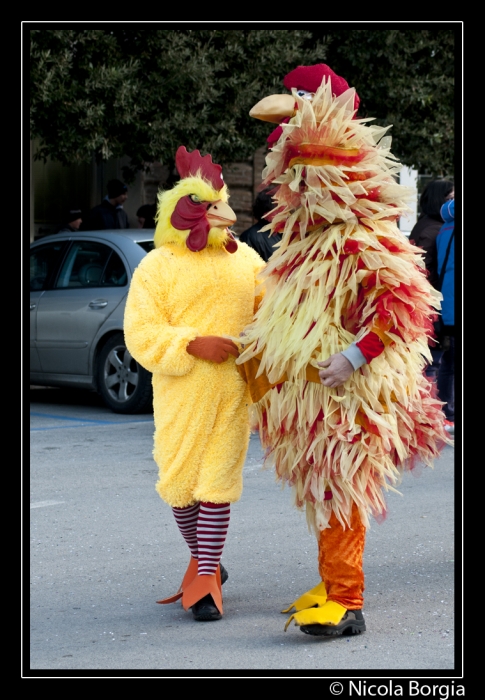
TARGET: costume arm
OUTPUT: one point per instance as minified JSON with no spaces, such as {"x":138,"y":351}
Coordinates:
{"x":396,"y":297}
{"x":258,"y":265}
{"x":334,"y":372}
{"x":362,"y":352}
{"x":152,"y":341}
{"x":395,"y":300}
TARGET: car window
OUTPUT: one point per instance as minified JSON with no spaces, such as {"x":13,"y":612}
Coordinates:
{"x":43,"y":263}
{"x":91,"y":264}
{"x":114,"y":274}
{"x":146,"y":245}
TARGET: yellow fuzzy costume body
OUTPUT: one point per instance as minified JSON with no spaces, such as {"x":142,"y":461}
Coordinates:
{"x":200,"y":407}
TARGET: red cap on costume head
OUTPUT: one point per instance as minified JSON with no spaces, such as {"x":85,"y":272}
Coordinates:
{"x":189,"y":164}
{"x":311,"y":77}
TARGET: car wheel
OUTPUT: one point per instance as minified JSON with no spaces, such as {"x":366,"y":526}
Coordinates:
{"x":124,"y":385}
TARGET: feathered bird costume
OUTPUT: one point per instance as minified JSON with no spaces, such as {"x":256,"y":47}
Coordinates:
{"x":186,"y":299}
{"x":343,"y":280}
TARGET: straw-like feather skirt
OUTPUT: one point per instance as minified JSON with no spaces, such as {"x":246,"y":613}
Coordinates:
{"x":342,"y":269}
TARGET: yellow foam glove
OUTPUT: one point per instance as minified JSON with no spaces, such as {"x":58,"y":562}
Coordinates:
{"x":330,"y":613}
{"x":317,"y":596}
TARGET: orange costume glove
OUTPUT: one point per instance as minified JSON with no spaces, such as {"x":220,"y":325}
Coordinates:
{"x":212,"y":348}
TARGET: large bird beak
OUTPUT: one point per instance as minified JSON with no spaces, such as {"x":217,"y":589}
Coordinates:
{"x":220,"y":215}
{"x":274,"y":108}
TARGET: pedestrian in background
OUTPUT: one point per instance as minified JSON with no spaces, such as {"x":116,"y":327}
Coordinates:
{"x":72,"y":220}
{"x":261,"y":241}
{"x":423,"y":235}
{"x":146,"y":215}
{"x":445,"y":249}
{"x":110,"y":213}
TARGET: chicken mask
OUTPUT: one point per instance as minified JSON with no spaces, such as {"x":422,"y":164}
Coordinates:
{"x":195,"y":212}
{"x":305,"y":80}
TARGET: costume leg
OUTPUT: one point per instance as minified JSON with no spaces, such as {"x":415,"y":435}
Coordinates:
{"x":316,"y":596}
{"x":204,"y":593}
{"x":212,"y":526}
{"x":340,"y":559}
{"x":186,"y":519}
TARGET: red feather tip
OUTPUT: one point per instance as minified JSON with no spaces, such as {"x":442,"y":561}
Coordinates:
{"x":189,"y":164}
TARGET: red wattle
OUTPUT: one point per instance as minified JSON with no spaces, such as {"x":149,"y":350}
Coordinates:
{"x":231,"y":245}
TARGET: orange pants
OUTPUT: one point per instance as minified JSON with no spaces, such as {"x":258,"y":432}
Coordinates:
{"x":340,"y":561}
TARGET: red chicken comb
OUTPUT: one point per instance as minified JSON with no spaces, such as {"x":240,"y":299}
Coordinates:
{"x":189,"y":164}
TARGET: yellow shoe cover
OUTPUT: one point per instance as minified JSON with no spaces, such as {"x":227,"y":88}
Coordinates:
{"x":315,"y":597}
{"x":330,"y":613}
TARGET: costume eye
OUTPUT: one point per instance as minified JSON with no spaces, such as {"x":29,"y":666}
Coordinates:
{"x":305,"y":94}
{"x":195,"y":198}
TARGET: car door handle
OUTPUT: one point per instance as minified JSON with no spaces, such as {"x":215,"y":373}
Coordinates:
{"x":98,"y":303}
{"x":32,"y":306}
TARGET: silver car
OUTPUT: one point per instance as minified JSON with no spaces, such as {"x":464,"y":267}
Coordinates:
{"x":78,"y":287}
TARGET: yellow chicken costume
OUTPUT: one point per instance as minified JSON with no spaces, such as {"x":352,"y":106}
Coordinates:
{"x":334,"y":357}
{"x":186,"y":299}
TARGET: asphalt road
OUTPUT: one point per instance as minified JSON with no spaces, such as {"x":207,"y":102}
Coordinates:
{"x":104,"y":547}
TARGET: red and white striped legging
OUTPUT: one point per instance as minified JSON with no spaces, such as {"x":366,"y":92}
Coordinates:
{"x":204,"y":527}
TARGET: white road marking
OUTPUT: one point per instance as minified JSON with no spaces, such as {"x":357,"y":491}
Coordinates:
{"x":41,"y":504}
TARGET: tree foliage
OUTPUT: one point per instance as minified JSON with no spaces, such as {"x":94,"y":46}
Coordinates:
{"x":138,"y":92}
{"x":142,"y":92}
{"x":406,"y":78}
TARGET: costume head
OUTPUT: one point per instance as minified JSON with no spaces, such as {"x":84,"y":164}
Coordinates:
{"x":305,"y":80}
{"x":309,"y":78}
{"x":328,"y":165}
{"x":195,"y":212}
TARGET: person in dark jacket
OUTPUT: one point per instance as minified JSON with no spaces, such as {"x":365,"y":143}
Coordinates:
{"x":110,"y":213}
{"x":445,"y":243}
{"x":73,"y":219}
{"x":423,"y":235}
{"x":427,"y":227}
{"x":259,"y":240}
{"x":146,"y":215}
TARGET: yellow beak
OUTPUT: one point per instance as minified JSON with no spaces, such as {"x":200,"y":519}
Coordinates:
{"x":220,"y":215}
{"x":274,"y":108}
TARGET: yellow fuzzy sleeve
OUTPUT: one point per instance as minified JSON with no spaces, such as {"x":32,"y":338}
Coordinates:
{"x":258,"y":267}
{"x":155,"y":344}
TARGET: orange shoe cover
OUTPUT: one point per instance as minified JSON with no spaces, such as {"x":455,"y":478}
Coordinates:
{"x":189,"y":576}
{"x":340,"y":561}
{"x":200,"y":587}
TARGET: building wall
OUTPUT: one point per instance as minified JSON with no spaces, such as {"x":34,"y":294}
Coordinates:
{"x":409,"y":178}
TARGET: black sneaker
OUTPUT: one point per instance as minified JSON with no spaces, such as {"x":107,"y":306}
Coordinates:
{"x":205,"y":610}
{"x":224,"y":575}
{"x":351,"y":623}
